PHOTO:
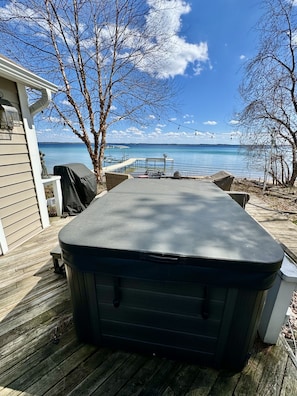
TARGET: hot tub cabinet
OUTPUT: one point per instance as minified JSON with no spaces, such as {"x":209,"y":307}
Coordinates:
{"x":169,"y":267}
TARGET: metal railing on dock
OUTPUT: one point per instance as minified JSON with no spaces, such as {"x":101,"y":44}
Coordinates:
{"x":142,"y":165}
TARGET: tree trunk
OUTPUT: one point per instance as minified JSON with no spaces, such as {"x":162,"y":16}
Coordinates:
{"x":294,"y":173}
{"x":101,"y":153}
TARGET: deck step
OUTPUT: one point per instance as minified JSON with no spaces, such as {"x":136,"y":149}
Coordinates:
{"x":56,"y":254}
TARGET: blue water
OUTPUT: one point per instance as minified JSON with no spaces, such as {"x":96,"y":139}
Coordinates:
{"x":200,"y":160}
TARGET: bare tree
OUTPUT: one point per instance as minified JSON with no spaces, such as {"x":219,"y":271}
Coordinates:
{"x":101,"y":53}
{"x":269,"y":92}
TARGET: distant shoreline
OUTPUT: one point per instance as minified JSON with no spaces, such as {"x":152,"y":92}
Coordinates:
{"x":156,"y":144}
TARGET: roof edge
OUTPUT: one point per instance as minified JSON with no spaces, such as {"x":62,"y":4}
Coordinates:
{"x":16,"y":73}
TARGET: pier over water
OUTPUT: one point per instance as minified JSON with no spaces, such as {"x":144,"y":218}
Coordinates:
{"x":141,"y":165}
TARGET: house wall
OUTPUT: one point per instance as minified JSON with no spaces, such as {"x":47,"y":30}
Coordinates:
{"x":19,"y":209}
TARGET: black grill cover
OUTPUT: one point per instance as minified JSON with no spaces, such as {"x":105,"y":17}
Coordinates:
{"x":79,"y":187}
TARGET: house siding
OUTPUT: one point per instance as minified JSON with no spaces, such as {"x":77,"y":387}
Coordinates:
{"x":19,"y":210}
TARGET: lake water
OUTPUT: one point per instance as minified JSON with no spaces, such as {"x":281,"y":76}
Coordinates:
{"x":198,"y":160}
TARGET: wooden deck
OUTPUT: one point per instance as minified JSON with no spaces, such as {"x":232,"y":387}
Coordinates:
{"x":39,"y":353}
{"x":277,"y":224}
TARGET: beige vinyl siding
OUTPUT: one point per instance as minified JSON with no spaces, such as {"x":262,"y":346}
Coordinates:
{"x":6,"y":159}
{"x":19,"y":211}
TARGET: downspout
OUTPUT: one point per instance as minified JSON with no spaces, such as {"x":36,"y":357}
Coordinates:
{"x":42,"y":102}
{"x":28,"y":112}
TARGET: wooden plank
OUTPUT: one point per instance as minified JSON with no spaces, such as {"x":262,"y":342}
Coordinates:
{"x":289,"y":386}
{"x":162,"y":377}
{"x":34,"y":380}
{"x":24,"y":327}
{"x":253,"y":371}
{"x":97,"y":376}
{"x":50,"y":370}
{"x":182,"y":380}
{"x":30,"y":345}
{"x":73,"y":379}
{"x":18,"y":346}
{"x":39,"y":307}
{"x":203,"y":382}
{"x":34,"y":295}
{"x":275,"y":364}
{"x":225,"y":383}
{"x":11,"y":299}
{"x":40,"y":265}
{"x":113,"y":384}
{"x":142,"y":377}
{"x":17,"y":266}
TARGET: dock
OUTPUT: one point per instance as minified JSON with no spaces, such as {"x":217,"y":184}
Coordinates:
{"x":40,"y":354}
{"x":143,"y":163}
{"x":120,"y":165}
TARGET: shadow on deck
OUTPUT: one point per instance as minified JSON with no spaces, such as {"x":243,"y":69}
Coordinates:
{"x":40,"y":354}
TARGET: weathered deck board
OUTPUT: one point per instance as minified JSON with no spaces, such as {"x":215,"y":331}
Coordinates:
{"x":275,"y":223}
{"x":40,"y":354}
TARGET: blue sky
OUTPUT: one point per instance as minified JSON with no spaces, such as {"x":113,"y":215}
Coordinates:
{"x":214,"y":39}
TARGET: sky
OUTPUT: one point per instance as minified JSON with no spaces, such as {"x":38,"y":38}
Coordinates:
{"x":211,"y":41}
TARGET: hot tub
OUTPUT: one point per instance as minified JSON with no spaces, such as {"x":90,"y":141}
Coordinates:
{"x":169,"y":267}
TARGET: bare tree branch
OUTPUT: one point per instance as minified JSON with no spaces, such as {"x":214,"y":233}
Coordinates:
{"x":269,"y":90}
{"x":95,"y":51}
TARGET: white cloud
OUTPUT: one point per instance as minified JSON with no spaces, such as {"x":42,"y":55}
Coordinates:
{"x":174,"y":57}
{"x":210,"y":123}
{"x":209,"y":134}
{"x":294,"y":34}
{"x":235,"y":134}
{"x":54,"y":119}
{"x":233,"y":122}
{"x":242,"y":57}
{"x":171,"y":57}
{"x":65,"y":103}
{"x":158,"y":130}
